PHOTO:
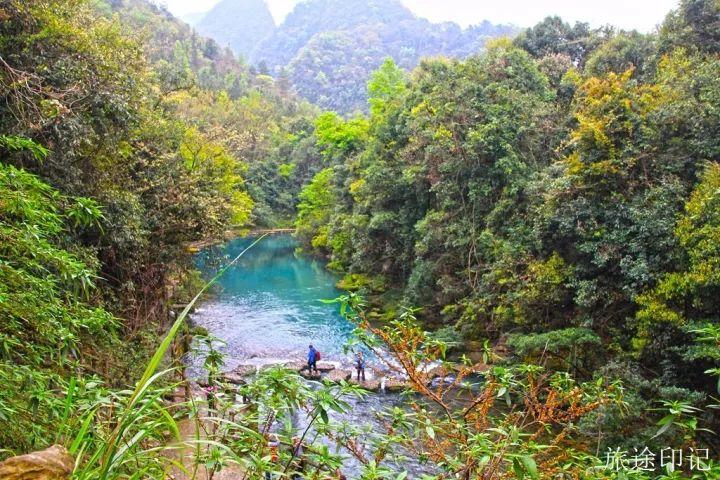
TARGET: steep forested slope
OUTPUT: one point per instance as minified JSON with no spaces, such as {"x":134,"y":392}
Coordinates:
{"x":142,"y":138}
{"x":180,"y":58}
{"x":257,"y":120}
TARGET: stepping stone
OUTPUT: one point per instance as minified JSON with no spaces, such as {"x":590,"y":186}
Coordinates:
{"x":321,"y":366}
{"x":437,"y":372}
{"x":476,"y":368}
{"x":338,"y":375}
{"x":297,"y":366}
{"x":268,"y":366}
{"x":325,"y":367}
{"x":438,"y":381}
{"x":233,"y":378}
{"x":369,"y":385}
{"x":310,"y":376}
{"x":393,"y":385}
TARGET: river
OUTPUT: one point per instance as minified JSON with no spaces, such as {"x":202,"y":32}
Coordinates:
{"x":268,"y":308}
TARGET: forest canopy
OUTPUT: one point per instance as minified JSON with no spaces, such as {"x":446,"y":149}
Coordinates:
{"x":556,"y":190}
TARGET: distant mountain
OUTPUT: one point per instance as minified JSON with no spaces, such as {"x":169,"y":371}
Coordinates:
{"x":332,"y":69}
{"x":238,"y":24}
{"x":328,"y":48}
{"x":313,"y":17}
{"x":194,"y":18}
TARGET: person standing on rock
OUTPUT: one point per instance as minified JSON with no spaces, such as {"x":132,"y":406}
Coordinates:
{"x":312,"y":359}
{"x":360,"y":365}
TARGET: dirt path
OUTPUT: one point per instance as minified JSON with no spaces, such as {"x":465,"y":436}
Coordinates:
{"x":185,"y":451}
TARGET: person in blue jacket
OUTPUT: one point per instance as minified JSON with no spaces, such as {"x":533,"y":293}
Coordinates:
{"x":312,"y":360}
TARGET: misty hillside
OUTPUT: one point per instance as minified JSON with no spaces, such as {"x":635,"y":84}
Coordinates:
{"x":238,"y":24}
{"x":327,"y":48}
{"x":314,"y":17}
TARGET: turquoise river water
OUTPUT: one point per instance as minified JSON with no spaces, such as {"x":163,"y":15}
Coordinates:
{"x":268,"y":307}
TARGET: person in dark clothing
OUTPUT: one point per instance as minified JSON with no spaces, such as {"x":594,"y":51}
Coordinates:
{"x":312,"y":360}
{"x":360,"y":365}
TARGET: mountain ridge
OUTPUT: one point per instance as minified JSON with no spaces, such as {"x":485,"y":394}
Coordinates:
{"x":328,"y":48}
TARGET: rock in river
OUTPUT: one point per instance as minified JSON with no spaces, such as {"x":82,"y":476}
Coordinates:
{"x":322,"y":367}
{"x":370,"y":385}
{"x":393,"y":385}
{"x":338,"y":375}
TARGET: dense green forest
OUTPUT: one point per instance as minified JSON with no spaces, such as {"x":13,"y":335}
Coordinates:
{"x":554,"y":197}
{"x":143,"y":138}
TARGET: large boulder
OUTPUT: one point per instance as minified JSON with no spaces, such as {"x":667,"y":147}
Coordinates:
{"x":54,"y":463}
{"x":238,"y":375}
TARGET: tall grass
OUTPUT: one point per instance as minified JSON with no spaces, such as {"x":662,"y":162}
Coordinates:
{"x":142,"y":408}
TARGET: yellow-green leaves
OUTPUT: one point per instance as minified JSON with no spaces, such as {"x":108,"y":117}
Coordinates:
{"x":314,"y":209}
{"x":210,"y":163}
{"x":387,"y":84}
{"x":340,"y":137}
{"x":692,"y":294}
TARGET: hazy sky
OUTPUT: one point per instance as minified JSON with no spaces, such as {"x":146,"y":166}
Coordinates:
{"x":643,"y":15}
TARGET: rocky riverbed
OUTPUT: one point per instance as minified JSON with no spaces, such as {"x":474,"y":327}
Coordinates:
{"x":376,"y":380}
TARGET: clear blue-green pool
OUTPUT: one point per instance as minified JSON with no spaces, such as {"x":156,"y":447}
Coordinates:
{"x":269,"y":305}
